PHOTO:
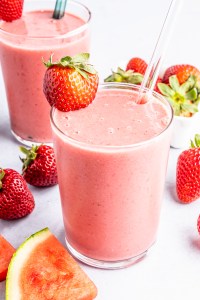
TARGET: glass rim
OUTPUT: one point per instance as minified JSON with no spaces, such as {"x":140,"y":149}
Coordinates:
{"x":129,"y":86}
{"x":74,"y":32}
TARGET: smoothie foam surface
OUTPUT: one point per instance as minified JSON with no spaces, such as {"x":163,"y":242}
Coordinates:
{"x":41,"y":24}
{"x":114,"y":119}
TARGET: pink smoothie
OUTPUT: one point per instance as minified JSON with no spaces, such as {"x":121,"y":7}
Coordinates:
{"x":23,"y":44}
{"x":111,"y":163}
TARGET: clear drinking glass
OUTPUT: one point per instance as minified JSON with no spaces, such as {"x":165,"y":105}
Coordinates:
{"x":111,"y":190}
{"x":22,"y":67}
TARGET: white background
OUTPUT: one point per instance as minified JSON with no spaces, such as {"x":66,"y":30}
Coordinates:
{"x":171,"y":270}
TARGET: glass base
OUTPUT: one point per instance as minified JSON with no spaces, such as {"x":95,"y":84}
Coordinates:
{"x":101,"y":264}
{"x":28,"y":142}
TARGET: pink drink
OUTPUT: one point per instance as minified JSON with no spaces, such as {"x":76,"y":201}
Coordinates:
{"x":112,"y":159}
{"x":23,"y":45}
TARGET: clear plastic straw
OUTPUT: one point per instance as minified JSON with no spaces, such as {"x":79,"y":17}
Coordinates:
{"x":153,"y":69}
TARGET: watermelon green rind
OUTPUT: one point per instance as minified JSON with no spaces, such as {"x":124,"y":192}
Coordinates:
{"x":18,"y":260}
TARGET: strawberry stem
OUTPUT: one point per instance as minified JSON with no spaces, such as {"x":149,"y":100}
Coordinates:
{"x":30,"y":156}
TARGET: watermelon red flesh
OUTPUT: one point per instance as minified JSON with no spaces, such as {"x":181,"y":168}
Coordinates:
{"x":6,"y":253}
{"x":51,"y":273}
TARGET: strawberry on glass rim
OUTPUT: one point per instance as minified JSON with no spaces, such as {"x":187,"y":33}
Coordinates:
{"x":11,"y":10}
{"x":70,"y":83}
{"x":188,"y":173}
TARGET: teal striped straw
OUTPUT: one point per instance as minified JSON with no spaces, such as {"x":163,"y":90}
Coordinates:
{"x":59,"y":9}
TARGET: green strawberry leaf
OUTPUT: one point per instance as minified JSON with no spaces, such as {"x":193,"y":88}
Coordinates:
{"x":87,"y":68}
{"x":81,"y":72}
{"x":192,"y":145}
{"x":165,"y":90}
{"x":81,"y":58}
{"x":196,"y":142}
{"x":65,"y":61}
{"x":123,"y":72}
{"x":176,"y":108}
{"x":192,"y":108}
{"x":136,"y":78}
{"x":188,"y":85}
{"x":174,"y":83}
{"x":114,"y":77}
{"x":192,"y":94}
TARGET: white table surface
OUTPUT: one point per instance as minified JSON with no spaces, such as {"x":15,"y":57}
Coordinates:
{"x":171,"y":270}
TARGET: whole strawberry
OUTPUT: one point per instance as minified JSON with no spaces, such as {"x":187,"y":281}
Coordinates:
{"x":39,"y":166}
{"x":188,"y":173}
{"x":11,"y":10}
{"x":16,"y":200}
{"x":70,"y":83}
{"x":137,"y":64}
{"x":183,"y":72}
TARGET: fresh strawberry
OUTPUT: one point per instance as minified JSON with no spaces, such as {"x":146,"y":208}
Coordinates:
{"x":198,"y":224}
{"x":184,"y":97}
{"x":183,"y":72}
{"x":16,"y":200}
{"x":188,"y":173}
{"x":11,"y":10}
{"x":137,"y":65}
{"x":70,"y":83}
{"x":39,"y":166}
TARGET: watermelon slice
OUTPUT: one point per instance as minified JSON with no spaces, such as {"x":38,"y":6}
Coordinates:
{"x":41,"y":268}
{"x":6,"y":253}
